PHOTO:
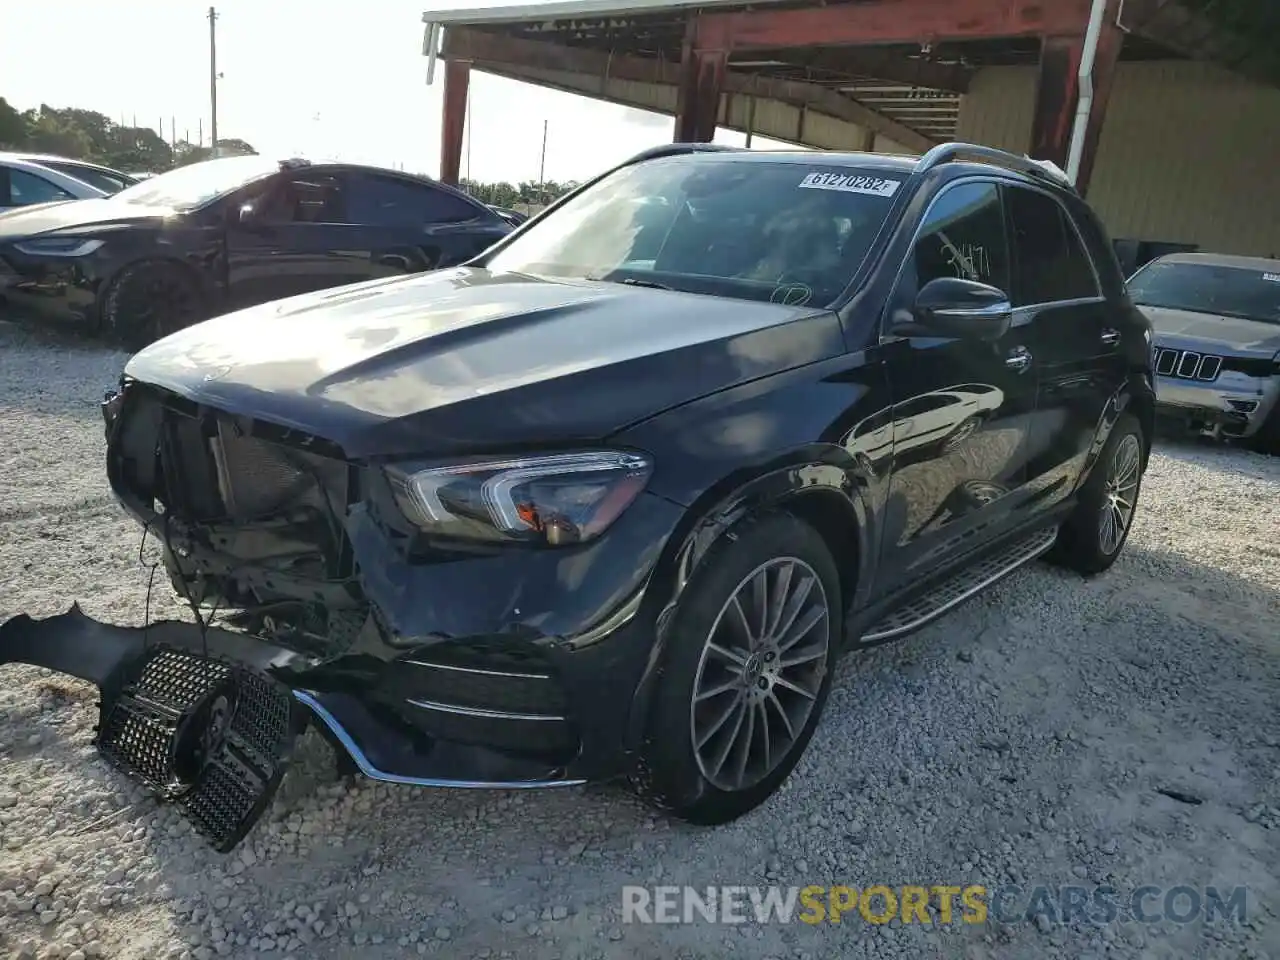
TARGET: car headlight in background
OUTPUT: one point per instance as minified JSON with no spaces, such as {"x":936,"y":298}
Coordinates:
{"x":58,"y":246}
{"x":555,"y":500}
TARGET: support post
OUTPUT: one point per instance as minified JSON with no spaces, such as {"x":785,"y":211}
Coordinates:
{"x":1058,"y":95}
{"x":1057,"y":87}
{"x":457,"y":78}
{"x":702,"y":75}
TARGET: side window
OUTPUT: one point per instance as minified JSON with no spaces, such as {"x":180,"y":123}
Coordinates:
{"x":919,"y":406}
{"x":1051,"y":262}
{"x":391,"y":202}
{"x":26,"y":188}
{"x":302,"y":197}
{"x":963,"y":236}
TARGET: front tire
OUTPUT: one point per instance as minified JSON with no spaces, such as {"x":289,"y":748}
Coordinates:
{"x":747,"y":671}
{"x":1097,"y":530}
{"x":149,"y":300}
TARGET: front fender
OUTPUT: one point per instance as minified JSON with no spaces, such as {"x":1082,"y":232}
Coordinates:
{"x":833,"y":487}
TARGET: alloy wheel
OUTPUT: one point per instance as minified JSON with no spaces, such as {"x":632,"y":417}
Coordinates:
{"x":760,"y":673}
{"x":1119,"y":494}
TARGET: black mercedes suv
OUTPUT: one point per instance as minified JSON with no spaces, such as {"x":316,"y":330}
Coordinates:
{"x":610,"y":498}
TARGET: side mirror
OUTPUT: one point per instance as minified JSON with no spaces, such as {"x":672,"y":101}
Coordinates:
{"x":963,"y":308}
{"x":246,"y":214}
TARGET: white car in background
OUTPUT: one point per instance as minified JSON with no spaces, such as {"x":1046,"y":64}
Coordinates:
{"x":105,"y":179}
{"x":24,"y":184}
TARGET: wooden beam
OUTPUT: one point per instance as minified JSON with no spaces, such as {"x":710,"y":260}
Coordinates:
{"x":891,"y":22}
{"x":457,"y":78}
{"x":887,"y":65}
{"x":482,"y":48}
{"x":1057,"y":86}
{"x":702,"y":76}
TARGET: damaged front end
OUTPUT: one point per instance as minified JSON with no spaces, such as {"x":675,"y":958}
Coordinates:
{"x":254,"y":521}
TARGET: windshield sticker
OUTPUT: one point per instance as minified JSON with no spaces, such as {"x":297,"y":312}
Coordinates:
{"x":851,"y":183}
{"x":1271,"y":277}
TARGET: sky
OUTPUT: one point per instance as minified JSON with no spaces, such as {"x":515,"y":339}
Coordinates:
{"x":319,"y":79}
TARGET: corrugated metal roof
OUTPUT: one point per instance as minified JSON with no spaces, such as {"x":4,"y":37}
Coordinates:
{"x":570,"y":9}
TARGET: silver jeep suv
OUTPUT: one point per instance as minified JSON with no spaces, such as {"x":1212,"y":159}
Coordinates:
{"x":1217,"y":342}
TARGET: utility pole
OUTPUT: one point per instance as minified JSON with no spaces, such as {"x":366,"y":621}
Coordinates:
{"x":213,"y":80}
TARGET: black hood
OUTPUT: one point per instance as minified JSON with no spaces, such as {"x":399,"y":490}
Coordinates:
{"x":74,"y":214}
{"x":463,"y":360}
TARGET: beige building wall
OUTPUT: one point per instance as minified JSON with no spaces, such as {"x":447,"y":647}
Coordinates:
{"x":1190,"y":153}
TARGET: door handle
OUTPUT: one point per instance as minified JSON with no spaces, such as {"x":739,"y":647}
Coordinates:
{"x":1110,"y":337}
{"x":1018,"y":360}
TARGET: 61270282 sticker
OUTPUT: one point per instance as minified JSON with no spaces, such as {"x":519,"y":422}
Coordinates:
{"x":851,"y":183}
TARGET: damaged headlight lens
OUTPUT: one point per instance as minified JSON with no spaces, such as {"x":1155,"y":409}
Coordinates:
{"x":555,"y":500}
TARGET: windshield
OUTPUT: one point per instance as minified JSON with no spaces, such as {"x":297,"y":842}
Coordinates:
{"x":1228,"y":291}
{"x":752,"y":229}
{"x":197,"y":184}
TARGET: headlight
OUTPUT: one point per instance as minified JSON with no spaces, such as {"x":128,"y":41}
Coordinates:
{"x":58,"y":246}
{"x":555,"y":500}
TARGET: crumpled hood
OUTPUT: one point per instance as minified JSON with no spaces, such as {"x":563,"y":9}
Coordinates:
{"x":1210,"y":333}
{"x":74,"y":214}
{"x":464,"y":360}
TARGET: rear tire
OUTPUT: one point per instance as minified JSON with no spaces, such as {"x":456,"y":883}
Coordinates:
{"x":149,"y":300}
{"x":1097,"y":530}
{"x":1267,"y":439}
{"x":732,"y":692}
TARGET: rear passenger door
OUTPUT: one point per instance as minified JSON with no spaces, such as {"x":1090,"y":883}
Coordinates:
{"x":439,"y":227}
{"x":1076,"y":352}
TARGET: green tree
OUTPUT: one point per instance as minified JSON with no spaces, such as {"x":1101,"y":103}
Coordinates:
{"x":13,"y":125}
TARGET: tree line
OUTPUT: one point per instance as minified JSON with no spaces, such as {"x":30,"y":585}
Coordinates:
{"x":89,"y":135}
{"x":512,"y":195}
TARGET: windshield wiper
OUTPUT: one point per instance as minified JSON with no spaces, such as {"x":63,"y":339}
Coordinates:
{"x":634,"y":282}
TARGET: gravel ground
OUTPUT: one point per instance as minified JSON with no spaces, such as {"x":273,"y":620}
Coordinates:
{"x":1026,"y":738}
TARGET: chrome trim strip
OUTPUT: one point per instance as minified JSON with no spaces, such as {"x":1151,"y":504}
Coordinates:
{"x":480,"y":712}
{"x":373,"y":773}
{"x":478,"y":670}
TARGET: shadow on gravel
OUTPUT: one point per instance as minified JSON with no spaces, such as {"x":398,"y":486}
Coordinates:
{"x":1054,"y":732}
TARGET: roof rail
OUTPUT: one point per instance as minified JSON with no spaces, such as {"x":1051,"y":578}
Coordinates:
{"x":950,"y":152}
{"x":679,"y":149}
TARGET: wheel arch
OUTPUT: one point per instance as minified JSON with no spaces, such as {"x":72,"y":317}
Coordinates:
{"x":1130,"y":398}
{"x":112,"y":282}
{"x":817,"y":491}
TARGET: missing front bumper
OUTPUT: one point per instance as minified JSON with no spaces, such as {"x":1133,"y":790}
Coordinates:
{"x":208,"y":719}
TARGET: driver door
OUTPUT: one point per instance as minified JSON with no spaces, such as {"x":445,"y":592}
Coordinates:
{"x":961,"y":406}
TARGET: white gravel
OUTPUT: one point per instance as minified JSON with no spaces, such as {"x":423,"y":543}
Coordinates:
{"x":1023,"y":738}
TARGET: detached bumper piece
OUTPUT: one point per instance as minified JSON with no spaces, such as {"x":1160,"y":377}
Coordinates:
{"x":213,"y":736}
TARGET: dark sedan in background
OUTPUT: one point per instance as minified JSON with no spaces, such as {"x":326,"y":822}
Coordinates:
{"x":226,"y":234}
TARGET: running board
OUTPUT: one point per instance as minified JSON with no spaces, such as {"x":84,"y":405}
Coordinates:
{"x":960,"y":587}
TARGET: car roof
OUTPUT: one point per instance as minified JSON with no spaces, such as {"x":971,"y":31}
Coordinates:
{"x":877,"y":161}
{"x":43,"y":158}
{"x":1264,"y":264}
{"x":63,"y":180}
{"x":906,"y":166}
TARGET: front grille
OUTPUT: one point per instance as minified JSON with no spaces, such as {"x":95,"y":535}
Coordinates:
{"x":1188,"y":365}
